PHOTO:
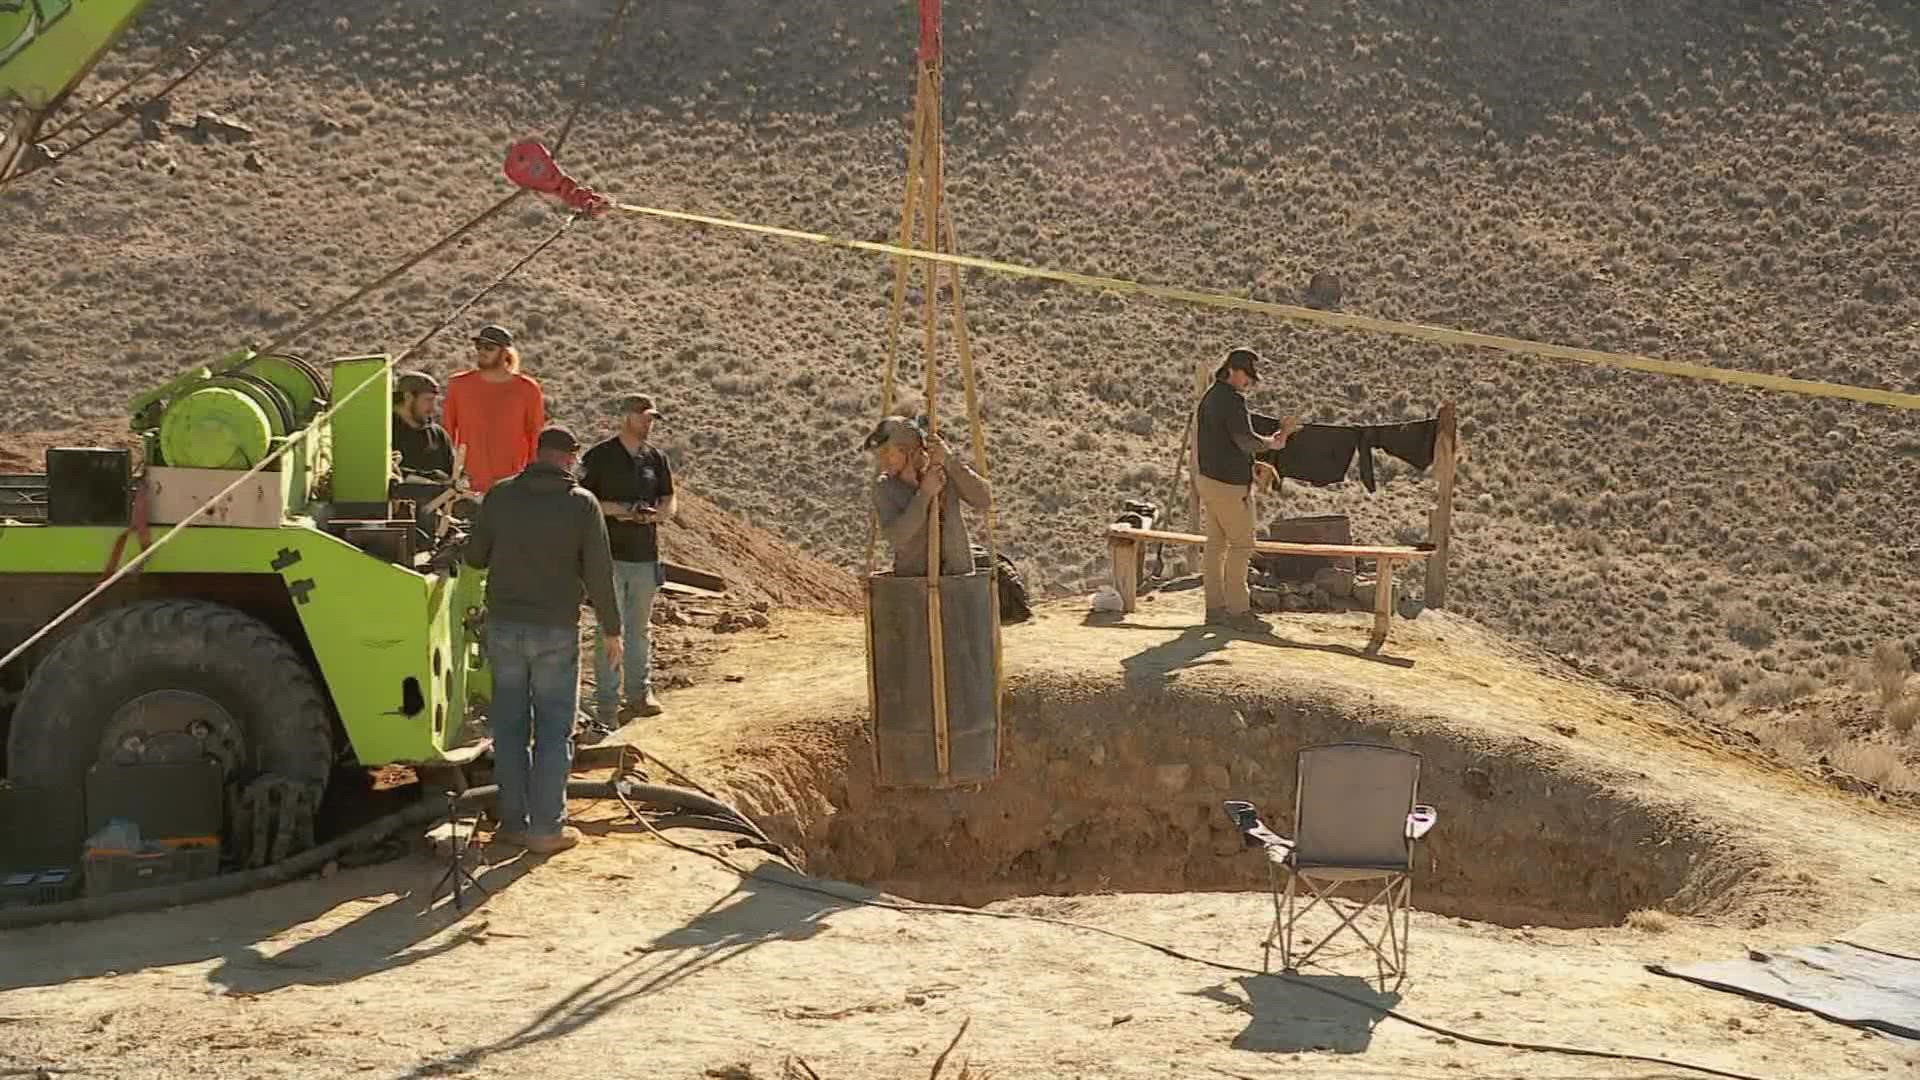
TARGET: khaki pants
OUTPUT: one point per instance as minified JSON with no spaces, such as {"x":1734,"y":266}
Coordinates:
{"x":1229,"y":545}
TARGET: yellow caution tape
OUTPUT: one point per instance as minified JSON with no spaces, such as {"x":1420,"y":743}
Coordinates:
{"x":1438,"y":334}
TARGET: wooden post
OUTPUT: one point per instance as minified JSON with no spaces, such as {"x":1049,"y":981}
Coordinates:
{"x":1126,"y":554}
{"x":1440,"y":525}
{"x":1196,"y":513}
{"x":1382,"y":603}
{"x":930,"y":185}
{"x":964,"y":344}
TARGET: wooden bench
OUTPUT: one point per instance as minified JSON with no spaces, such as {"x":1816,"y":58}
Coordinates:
{"x":1128,"y":547}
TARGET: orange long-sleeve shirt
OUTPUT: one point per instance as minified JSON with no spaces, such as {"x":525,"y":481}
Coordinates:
{"x":498,"y":423}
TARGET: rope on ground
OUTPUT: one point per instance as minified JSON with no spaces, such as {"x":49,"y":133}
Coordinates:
{"x":1170,"y":951}
{"x":245,"y":27}
{"x":317,"y":424}
{"x":1340,"y":320}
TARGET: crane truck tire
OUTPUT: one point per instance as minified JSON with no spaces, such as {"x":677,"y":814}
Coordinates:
{"x":167,"y":681}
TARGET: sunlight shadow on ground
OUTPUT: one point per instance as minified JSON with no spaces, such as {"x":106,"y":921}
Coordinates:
{"x":755,"y":913}
{"x":1289,"y":1015}
{"x":1201,"y":645}
{"x":382,"y":938}
{"x":379,"y":940}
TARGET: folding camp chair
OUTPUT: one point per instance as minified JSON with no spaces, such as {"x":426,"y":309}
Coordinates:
{"x":1355,"y":819}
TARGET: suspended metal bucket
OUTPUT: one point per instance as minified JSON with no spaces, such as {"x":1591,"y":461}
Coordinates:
{"x":916,"y":744}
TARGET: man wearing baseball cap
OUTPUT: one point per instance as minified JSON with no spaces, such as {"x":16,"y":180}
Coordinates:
{"x":493,"y":410}
{"x":423,"y":445}
{"x":1224,"y":445}
{"x":633,"y":480}
{"x":543,"y":542}
{"x":915,"y":468}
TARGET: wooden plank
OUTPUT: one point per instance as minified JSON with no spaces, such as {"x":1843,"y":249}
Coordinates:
{"x":1278,"y":547}
{"x":1440,"y":529}
{"x":699,"y":579}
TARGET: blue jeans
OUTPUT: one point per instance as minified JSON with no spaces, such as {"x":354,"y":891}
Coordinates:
{"x":536,"y":688}
{"x":634,"y":585}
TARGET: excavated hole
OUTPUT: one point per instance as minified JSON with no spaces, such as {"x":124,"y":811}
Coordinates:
{"x":1121,"y":792}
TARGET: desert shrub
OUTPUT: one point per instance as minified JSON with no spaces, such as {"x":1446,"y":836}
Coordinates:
{"x":1650,"y":921}
{"x":1876,"y":763}
{"x":1902,"y":714}
{"x":1887,"y":670}
{"x":1680,"y":686}
{"x":1748,"y":625}
{"x":1777,"y":691}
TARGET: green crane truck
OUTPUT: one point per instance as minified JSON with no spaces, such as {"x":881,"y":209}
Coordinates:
{"x":302,"y":623}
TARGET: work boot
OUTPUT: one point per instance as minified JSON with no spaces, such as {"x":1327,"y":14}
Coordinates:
{"x":1217,"y":616}
{"x":649,"y":705}
{"x":513,"y":838}
{"x":567,"y":837}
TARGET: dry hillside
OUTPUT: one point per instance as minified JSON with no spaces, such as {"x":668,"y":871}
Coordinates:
{"x":1725,"y":181}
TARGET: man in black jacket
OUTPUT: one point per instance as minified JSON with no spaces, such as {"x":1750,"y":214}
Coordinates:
{"x":420,"y":441}
{"x":545,"y":540}
{"x":1224,"y":446}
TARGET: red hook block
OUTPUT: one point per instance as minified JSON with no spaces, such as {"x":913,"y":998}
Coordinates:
{"x":530,"y":166}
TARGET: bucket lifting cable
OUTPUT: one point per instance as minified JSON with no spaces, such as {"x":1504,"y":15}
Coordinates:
{"x":927,"y":225}
{"x":962,"y":612}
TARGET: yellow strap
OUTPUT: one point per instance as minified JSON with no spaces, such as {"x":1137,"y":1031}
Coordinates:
{"x":1438,"y":334}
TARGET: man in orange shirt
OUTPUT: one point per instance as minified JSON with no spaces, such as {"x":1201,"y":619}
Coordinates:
{"x":495,"y":412}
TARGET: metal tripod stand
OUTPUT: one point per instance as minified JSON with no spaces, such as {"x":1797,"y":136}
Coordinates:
{"x":457,"y":877}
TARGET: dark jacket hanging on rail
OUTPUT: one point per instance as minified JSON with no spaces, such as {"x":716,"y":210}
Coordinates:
{"x":1411,"y":442}
{"x":1321,"y":454}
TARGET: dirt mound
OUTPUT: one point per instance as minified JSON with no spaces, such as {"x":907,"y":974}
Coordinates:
{"x":1686,"y":180}
{"x":756,"y":564}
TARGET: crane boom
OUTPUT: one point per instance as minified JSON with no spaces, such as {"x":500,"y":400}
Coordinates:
{"x":46,"y":48}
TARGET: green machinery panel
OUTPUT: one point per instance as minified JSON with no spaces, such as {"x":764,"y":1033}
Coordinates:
{"x":362,"y":428}
{"x":48,"y":46}
{"x":373,"y":626}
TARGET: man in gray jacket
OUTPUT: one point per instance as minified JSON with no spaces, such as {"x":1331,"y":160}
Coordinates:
{"x":914,"y":469}
{"x":545,"y":542}
{"x":1224,"y":445}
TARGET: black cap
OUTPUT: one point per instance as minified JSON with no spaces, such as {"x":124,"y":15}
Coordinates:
{"x":1243,"y":359}
{"x":494,"y":334}
{"x":415,"y":382}
{"x":558,"y":438}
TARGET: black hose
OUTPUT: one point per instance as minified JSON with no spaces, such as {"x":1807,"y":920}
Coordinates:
{"x":704,"y":821}
{"x":429,"y":810}
{"x":683,"y":799}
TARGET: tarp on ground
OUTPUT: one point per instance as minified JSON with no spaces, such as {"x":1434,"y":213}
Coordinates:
{"x":1869,"y":979}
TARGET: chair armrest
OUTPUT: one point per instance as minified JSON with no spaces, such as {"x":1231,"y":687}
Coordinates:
{"x":1254,"y":832}
{"x":1420,"y":820}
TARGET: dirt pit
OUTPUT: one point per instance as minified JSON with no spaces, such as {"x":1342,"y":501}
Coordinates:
{"x":1122,"y":792}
